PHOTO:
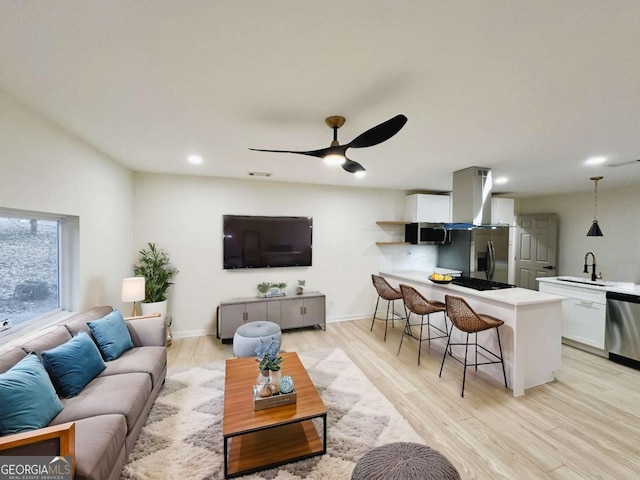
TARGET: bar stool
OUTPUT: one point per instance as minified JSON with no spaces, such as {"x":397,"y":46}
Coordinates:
{"x":467,"y":320}
{"x":419,"y":305}
{"x":387,"y":292}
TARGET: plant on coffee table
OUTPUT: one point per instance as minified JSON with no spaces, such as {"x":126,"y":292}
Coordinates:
{"x":267,"y":355}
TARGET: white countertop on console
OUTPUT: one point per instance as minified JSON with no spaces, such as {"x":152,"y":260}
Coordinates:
{"x":598,"y":285}
{"x":512,"y":296}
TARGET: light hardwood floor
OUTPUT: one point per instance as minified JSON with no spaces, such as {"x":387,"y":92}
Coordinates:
{"x":584,"y":425}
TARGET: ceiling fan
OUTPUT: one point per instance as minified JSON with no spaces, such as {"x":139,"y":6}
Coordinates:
{"x":623,"y":163}
{"x":336,"y":154}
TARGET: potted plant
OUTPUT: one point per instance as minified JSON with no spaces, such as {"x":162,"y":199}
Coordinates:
{"x":156,"y":268}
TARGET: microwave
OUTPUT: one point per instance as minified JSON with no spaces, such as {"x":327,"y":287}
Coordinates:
{"x":421,"y":234}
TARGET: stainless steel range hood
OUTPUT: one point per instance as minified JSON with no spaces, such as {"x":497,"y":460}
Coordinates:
{"x":471,"y":198}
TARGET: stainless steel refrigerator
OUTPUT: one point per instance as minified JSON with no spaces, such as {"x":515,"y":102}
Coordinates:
{"x":480,"y":253}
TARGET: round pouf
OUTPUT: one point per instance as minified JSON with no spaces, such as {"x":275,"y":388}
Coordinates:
{"x":247,"y":337}
{"x":404,"y":461}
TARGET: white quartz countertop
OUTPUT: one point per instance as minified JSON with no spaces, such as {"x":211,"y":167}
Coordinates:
{"x":597,"y":285}
{"x":512,"y":296}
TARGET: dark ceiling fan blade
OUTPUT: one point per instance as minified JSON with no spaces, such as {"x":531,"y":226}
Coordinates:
{"x":379,"y":133}
{"x":312,"y":153}
{"x":352,"y":167}
{"x":623,"y":163}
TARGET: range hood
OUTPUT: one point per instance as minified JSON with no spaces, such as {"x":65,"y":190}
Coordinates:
{"x":471,"y":199}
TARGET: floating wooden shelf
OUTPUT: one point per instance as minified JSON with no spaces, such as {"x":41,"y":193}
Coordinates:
{"x":392,"y":222}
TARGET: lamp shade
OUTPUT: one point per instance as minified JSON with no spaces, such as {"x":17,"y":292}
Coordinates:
{"x":594,"y":231}
{"x":133,"y":289}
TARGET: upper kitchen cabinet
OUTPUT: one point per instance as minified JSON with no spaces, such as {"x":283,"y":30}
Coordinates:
{"x":502,"y":211}
{"x":428,"y":208}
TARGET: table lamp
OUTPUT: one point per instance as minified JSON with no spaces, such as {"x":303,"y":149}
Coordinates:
{"x":133,"y":291}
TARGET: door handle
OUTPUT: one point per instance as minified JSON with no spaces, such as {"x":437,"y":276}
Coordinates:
{"x":549,"y":267}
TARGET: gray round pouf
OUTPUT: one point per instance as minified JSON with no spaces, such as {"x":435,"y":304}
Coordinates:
{"x":404,"y":461}
{"x":247,"y":337}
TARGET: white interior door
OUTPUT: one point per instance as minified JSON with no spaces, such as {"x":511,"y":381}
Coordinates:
{"x":536,"y":245}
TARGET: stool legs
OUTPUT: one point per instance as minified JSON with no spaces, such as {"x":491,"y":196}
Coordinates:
{"x":465,"y":364}
{"x":390,"y":306}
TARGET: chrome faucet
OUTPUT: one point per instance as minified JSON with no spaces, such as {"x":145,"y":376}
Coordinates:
{"x":593,"y":266}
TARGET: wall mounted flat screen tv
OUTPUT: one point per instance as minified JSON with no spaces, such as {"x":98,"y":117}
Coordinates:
{"x":262,"y":242}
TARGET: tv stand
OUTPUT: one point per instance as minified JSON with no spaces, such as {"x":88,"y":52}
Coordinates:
{"x":289,"y":311}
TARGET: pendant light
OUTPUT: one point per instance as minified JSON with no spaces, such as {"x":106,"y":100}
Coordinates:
{"x":595,"y":231}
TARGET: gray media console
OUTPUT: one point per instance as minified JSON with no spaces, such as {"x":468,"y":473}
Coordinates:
{"x":295,"y":311}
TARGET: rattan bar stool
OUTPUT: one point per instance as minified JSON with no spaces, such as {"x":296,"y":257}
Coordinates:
{"x":390,"y":294}
{"x":467,"y":320}
{"x":417,"y":304}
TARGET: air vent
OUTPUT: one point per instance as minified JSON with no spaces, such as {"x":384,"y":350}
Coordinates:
{"x":260,"y":174}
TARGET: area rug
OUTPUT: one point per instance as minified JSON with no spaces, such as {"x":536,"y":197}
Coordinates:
{"x":182,"y":438}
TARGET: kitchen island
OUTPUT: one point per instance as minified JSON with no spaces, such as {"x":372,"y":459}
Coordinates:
{"x":531,"y":335}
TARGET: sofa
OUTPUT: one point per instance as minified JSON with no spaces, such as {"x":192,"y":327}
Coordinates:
{"x":99,"y":423}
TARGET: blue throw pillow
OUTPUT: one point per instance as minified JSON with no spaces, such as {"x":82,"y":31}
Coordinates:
{"x":28,"y":400}
{"x":73,"y":364}
{"x":112,"y":335}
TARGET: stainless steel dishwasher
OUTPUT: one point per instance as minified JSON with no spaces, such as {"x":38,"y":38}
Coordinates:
{"x":622,"y":334}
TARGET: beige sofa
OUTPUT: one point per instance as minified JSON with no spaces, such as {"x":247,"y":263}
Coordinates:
{"x":108,"y":414}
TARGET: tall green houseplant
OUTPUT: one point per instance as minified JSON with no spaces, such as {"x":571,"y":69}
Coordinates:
{"x":154,"y":265}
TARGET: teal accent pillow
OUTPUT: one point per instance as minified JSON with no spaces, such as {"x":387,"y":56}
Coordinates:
{"x":73,"y":364}
{"x":28,"y":400}
{"x":112,"y":335}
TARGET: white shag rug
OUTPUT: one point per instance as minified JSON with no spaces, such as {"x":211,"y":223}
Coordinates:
{"x":182,"y":438}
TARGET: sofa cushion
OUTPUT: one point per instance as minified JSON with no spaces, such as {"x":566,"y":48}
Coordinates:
{"x":100,"y":445}
{"x":73,"y":364}
{"x":150,"y":360}
{"x":78,"y":322}
{"x":10,"y":357}
{"x":28,"y":400}
{"x":111,"y":335}
{"x":124,"y":394}
{"x":47,"y":339}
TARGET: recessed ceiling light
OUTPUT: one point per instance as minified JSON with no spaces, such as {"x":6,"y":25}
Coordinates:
{"x":500,"y":180}
{"x":195,"y":159}
{"x":595,"y":161}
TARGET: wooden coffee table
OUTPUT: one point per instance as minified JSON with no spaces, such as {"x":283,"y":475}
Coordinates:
{"x":258,"y":440}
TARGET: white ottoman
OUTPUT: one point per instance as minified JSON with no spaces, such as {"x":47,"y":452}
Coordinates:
{"x":247,"y":337}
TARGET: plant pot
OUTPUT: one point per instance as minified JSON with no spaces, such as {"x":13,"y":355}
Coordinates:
{"x":154,"y":307}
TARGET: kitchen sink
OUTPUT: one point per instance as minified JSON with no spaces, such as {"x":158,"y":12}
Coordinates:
{"x":597,"y":283}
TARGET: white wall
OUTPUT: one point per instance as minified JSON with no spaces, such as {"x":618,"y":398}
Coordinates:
{"x":617,"y":252}
{"x":44,"y":168}
{"x":183,"y":215}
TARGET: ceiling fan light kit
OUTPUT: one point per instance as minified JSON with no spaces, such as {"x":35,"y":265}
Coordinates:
{"x":335,"y":154}
{"x":594,"y":230}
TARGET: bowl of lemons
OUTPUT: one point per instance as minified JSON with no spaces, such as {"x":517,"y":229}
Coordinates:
{"x":440,"y":278}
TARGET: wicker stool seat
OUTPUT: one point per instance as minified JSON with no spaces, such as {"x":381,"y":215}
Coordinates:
{"x":417,"y":304}
{"x":404,"y":461}
{"x":390,"y":294}
{"x":469,"y":321}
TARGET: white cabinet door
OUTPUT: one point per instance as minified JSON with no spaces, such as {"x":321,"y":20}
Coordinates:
{"x":586,"y":323}
{"x":428,"y":208}
{"x":502,"y":211}
{"x":583,"y":313}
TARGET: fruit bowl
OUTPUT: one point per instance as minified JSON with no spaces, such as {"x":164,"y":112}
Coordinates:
{"x":441,"y":279}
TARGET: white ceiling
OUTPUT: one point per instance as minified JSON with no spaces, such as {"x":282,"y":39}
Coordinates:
{"x":528,"y":88}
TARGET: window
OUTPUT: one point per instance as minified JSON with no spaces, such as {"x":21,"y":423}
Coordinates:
{"x":32,"y":265}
